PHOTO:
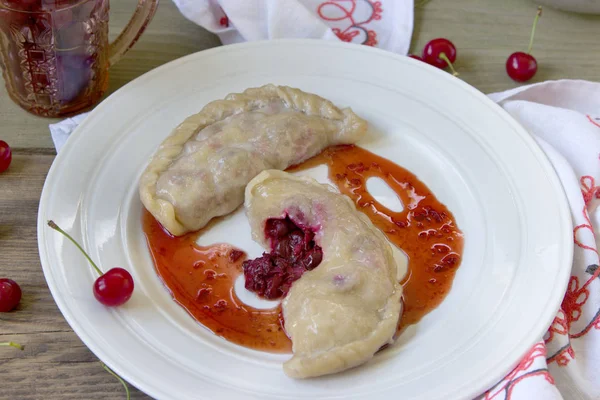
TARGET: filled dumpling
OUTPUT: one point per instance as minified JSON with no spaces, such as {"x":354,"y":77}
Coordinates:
{"x":339,"y":313}
{"x":200,"y":170}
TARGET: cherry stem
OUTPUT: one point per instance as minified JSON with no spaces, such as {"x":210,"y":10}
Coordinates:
{"x":53,"y":225}
{"x":110,"y":371}
{"x":445,"y":58}
{"x":535,"y":21}
{"x":13,"y":344}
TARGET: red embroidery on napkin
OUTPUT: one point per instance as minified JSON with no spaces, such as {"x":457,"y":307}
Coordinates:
{"x":574,"y":299}
{"x":563,"y":356}
{"x":559,"y":326}
{"x":576,"y":295}
{"x":542,"y":371}
{"x":587,"y":225}
{"x":507,"y":385}
{"x":594,"y":120}
{"x":346,"y":10}
{"x":594,"y":324}
{"x":589,"y":190}
{"x":224,"y":21}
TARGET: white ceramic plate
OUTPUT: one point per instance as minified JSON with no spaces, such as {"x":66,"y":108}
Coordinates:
{"x":479,"y":162}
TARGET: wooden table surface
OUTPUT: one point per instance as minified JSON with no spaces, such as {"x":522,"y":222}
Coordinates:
{"x":55,"y":364}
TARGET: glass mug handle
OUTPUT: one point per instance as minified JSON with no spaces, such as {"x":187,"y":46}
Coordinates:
{"x":131,"y":33}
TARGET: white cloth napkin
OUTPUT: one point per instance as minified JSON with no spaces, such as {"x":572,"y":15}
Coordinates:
{"x":61,"y":131}
{"x":384,"y":23}
{"x":563,"y":116}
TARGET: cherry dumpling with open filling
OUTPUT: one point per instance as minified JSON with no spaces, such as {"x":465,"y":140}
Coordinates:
{"x":341,"y":311}
{"x":200,"y":171}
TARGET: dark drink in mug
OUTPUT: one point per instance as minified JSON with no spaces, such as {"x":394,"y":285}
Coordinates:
{"x":55,"y":53}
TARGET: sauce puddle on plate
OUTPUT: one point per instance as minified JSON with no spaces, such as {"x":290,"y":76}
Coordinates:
{"x":201,"y":278}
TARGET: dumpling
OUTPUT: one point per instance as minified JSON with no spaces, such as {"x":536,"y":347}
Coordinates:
{"x":344,"y":310}
{"x":200,"y":171}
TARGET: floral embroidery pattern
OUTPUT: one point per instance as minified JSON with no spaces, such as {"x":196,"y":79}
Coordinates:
{"x":559,"y":326}
{"x":507,"y":385}
{"x":346,"y":12}
{"x":563,"y":356}
{"x":578,"y":293}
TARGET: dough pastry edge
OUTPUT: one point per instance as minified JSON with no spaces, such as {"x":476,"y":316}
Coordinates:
{"x":354,"y":128}
{"x":351,"y":354}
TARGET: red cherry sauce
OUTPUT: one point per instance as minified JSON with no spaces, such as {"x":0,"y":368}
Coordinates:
{"x":425,"y":230}
{"x":201,"y":278}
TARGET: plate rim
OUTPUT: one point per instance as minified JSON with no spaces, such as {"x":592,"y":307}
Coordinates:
{"x":542,"y":159}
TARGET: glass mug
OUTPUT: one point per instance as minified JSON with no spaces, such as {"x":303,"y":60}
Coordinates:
{"x":55,"y":53}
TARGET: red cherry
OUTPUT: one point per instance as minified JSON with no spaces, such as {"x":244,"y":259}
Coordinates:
{"x":5,"y":156}
{"x":520,"y":66}
{"x":114,"y":287}
{"x":440,"y":53}
{"x":10,"y":295}
{"x":416,"y":57}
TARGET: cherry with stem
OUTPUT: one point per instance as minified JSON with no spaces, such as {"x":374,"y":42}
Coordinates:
{"x":440,"y":53}
{"x":112,"y":288}
{"x":521,"y":66}
{"x":444,"y":57}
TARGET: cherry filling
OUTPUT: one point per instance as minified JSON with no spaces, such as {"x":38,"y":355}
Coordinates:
{"x":293,"y":252}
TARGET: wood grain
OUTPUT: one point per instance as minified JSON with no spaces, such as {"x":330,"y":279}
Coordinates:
{"x":486,"y":32}
{"x":55,"y":364}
